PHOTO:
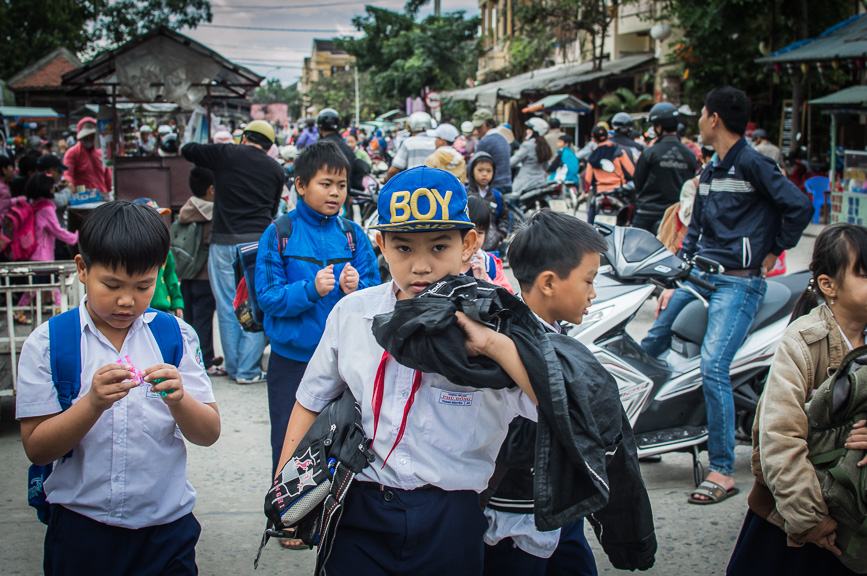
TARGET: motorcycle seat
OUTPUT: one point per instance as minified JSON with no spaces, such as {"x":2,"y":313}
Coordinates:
{"x":691,"y":323}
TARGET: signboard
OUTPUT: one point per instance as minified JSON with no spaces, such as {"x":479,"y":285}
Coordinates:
{"x":433,"y":100}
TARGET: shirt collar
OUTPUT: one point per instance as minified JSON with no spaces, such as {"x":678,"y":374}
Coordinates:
{"x":386,"y":302}
{"x":86,"y":321}
{"x":727,"y":162}
{"x":311,"y":216}
{"x":555,"y":327}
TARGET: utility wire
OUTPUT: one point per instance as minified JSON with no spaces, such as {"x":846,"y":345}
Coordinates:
{"x":289,"y":7}
{"x":260,"y":28}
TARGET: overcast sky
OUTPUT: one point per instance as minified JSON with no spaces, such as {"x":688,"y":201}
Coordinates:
{"x":280,"y":54}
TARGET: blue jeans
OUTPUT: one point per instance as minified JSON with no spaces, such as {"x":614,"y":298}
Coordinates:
{"x":732,"y":309}
{"x":242,"y":350}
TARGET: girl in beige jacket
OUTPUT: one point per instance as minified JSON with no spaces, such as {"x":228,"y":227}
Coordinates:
{"x":787,"y":529}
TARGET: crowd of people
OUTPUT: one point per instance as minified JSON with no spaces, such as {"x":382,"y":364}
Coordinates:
{"x":437,"y":445}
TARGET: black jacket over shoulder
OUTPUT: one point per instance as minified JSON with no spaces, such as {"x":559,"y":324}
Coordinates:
{"x":660,"y":173}
{"x":586,"y":462}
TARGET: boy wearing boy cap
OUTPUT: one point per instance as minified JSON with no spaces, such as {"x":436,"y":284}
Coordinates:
{"x":445,"y":157}
{"x":416,"y":508}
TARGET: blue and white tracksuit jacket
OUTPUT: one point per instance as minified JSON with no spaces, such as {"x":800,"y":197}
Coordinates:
{"x":745,"y":209}
{"x":295,"y":314}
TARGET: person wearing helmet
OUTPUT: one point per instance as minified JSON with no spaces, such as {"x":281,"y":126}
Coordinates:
{"x":466,"y":142}
{"x":85,"y":160}
{"x":308,"y":136}
{"x":328,"y":123}
{"x":248,"y":185}
{"x":445,"y":157}
{"x":532,"y":156}
{"x":661,"y":170}
{"x":146,"y":143}
{"x":414,"y":150}
{"x":766,"y":148}
{"x":623,"y":125}
{"x":553,"y":135}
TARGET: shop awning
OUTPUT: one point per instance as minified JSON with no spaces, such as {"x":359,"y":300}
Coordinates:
{"x":546,"y":80}
{"x":29,"y":113}
{"x":852,"y":96}
{"x":844,"y":41}
{"x":565,"y":102}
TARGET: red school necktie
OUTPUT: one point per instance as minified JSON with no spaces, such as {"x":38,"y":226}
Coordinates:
{"x":376,"y":402}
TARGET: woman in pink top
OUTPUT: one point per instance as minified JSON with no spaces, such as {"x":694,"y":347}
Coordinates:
{"x":85,"y":160}
{"x":40,"y":190}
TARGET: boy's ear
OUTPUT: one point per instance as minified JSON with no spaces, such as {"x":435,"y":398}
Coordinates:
{"x":545,"y":283}
{"x":300,"y":186}
{"x":81,"y":267}
{"x":380,"y":241}
{"x":469,"y":244}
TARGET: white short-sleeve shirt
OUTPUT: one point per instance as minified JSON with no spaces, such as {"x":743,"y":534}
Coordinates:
{"x":130,"y":469}
{"x":453,"y":433}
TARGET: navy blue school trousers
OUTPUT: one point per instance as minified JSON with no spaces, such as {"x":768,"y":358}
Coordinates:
{"x":423,"y":532}
{"x":762,"y":550}
{"x":284,"y":376}
{"x":573,"y":557}
{"x":199,"y":308}
{"x":75,"y":545}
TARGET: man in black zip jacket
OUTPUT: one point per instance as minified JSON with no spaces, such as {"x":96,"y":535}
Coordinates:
{"x":746,"y":213}
{"x":661,"y":170}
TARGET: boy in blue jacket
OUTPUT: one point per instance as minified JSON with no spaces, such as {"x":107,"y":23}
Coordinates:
{"x":299,"y":279}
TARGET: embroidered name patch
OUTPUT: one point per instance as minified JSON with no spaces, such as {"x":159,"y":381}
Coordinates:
{"x":456,"y":398}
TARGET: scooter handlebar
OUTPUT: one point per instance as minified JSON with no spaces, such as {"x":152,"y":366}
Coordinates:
{"x":701,"y":283}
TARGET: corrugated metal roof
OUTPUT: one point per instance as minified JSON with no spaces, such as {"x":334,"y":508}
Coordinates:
{"x":852,"y":96}
{"x":545,"y":80}
{"x":27,"y":112}
{"x":845,"y":40}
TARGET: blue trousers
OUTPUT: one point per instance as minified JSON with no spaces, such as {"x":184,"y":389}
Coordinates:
{"x":284,"y":376}
{"x":242,"y":350}
{"x":762,"y":550}
{"x":76,"y":545}
{"x":424,"y":532}
{"x":732,"y":309}
{"x":573,"y":557}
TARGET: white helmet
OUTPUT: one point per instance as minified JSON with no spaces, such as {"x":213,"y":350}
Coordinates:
{"x":467,"y":127}
{"x":538,"y":126}
{"x":289,"y":153}
{"x":419,"y":122}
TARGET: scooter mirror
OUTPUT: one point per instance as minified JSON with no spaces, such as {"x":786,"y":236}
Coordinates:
{"x":607,"y":165}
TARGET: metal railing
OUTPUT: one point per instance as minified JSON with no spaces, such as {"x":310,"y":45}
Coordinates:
{"x":16,"y":278}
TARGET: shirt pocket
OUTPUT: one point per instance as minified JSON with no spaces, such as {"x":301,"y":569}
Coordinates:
{"x":451,"y":418}
{"x":157,"y":421}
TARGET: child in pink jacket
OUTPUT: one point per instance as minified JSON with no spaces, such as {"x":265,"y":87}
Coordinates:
{"x":39,"y":190}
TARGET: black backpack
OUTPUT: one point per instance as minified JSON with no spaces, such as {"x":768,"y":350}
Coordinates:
{"x":306,"y":499}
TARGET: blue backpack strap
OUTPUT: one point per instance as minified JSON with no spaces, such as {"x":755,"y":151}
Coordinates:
{"x":284,"y":231}
{"x":64,"y":340}
{"x":490,"y":265}
{"x":167,"y":333}
{"x":349,"y":231}
{"x":498,"y":196}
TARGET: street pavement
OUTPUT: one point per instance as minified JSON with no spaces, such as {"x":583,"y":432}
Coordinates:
{"x":232,"y":478}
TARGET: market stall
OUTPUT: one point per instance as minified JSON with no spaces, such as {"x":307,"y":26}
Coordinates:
{"x":158,"y":69}
{"x":565,"y":107}
{"x":849,"y":193}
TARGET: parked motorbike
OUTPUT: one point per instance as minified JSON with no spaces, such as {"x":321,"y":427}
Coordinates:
{"x":662,"y":396}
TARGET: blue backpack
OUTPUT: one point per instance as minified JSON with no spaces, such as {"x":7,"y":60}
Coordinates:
{"x":64,"y":338}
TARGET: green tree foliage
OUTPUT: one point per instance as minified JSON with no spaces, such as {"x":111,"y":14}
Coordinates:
{"x":274,"y":91}
{"x":722,"y":38}
{"x":402,"y":56}
{"x":623,"y":100}
{"x":338,"y":91}
{"x":32,"y":28}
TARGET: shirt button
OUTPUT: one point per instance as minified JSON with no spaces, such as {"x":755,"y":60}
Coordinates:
{"x":119,"y":440}
{"x":389,"y":496}
{"x":117,"y":478}
{"x":403,"y":460}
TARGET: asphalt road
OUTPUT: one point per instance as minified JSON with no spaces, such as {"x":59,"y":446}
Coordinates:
{"x":232,"y":477}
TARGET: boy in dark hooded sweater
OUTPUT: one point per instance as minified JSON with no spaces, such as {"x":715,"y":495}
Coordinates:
{"x":480,"y":174}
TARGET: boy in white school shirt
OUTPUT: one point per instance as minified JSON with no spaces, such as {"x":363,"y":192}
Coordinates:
{"x":120,"y":500}
{"x":415,"y":509}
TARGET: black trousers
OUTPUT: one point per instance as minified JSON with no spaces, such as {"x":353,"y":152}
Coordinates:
{"x":283,"y":376}
{"x":199,"y":307}
{"x":76,"y":545}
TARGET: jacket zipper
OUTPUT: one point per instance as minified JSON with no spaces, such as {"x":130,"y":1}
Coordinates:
{"x":747,"y":252}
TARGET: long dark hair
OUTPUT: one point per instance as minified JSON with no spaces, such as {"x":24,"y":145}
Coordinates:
{"x":838,"y":248}
{"x":543,"y":150}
